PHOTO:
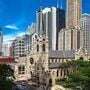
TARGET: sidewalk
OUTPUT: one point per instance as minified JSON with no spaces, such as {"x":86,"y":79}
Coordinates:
{"x":57,"y":87}
{"x":43,"y":87}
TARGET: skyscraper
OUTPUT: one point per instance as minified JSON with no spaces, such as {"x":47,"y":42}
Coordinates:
{"x":73,"y":13}
{"x":53,"y":20}
{"x":1,"y":40}
{"x":19,"y":47}
{"x":84,"y":25}
{"x":69,"y":38}
{"x":5,"y":49}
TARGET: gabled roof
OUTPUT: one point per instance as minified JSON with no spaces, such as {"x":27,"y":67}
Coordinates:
{"x":66,"y":54}
{"x":54,"y":65}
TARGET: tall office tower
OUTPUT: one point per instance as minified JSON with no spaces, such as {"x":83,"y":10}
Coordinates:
{"x":11,"y":51}
{"x":53,"y":21}
{"x":73,"y":13}
{"x":5,"y":49}
{"x":84,"y":25}
{"x":28,"y":44}
{"x":1,"y":41}
{"x":69,"y":39}
{"x":31,"y":30}
{"x":18,"y":47}
{"x":72,"y":39}
{"x":61,"y":40}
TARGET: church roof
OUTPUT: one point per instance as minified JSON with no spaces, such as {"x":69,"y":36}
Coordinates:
{"x":54,"y":65}
{"x":66,"y":54}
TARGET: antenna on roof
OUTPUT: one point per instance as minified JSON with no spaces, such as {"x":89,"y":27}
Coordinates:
{"x":41,"y":5}
{"x":61,"y":4}
{"x":57,"y":3}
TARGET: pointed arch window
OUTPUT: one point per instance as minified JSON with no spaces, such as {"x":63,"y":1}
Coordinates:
{"x":21,"y":69}
{"x":37,"y":48}
{"x":43,"y":47}
{"x":57,"y":73}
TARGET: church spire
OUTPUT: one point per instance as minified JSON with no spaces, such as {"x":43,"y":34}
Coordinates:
{"x":41,"y":19}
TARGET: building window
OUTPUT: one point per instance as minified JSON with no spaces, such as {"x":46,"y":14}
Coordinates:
{"x":38,"y":75}
{"x":64,"y":72}
{"x":31,"y":60}
{"x":81,"y":58}
{"x":43,"y":68}
{"x":43,"y":47}
{"x":61,"y":72}
{"x":37,"y":68}
{"x":66,"y":60}
{"x":57,"y":73}
{"x":56,"y":60}
{"x":62,"y":60}
{"x":31,"y":73}
{"x":21,"y":69}
{"x":37,"y":48}
{"x":43,"y":39}
{"x":67,"y":71}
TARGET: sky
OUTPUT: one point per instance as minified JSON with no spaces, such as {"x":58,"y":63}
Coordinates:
{"x":16,"y":15}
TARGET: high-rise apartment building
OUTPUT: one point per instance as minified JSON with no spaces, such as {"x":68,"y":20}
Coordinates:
{"x":1,"y":41}
{"x":53,"y":20}
{"x":5,"y":50}
{"x":28,"y":39}
{"x":19,"y":47}
{"x":73,"y":13}
{"x":32,"y":29}
{"x":28,"y":44}
{"x":69,"y":39}
{"x":84,"y":25}
{"x":11,"y":51}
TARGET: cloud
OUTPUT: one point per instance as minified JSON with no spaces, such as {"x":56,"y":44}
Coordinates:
{"x":10,"y":37}
{"x":12,"y":27}
{"x":20,"y":33}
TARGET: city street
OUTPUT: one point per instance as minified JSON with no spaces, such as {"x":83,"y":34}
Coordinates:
{"x":23,"y":85}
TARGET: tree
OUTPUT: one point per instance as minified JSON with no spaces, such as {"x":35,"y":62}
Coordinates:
{"x":6,"y":77}
{"x":80,"y":78}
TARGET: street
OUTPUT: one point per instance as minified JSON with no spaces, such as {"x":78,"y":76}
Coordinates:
{"x":23,"y":85}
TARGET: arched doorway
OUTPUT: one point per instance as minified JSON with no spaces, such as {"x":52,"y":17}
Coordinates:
{"x":81,"y":58}
{"x":50,"y":82}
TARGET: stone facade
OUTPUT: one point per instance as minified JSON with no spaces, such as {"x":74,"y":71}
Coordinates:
{"x":21,"y":69}
{"x":73,"y":13}
{"x":44,"y":66}
{"x":84,"y":25}
{"x":69,"y":39}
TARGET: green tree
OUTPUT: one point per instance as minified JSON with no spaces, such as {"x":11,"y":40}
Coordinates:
{"x":6,"y":77}
{"x":80,"y":78}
